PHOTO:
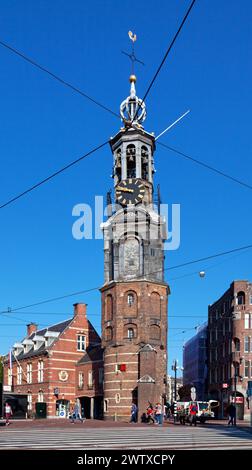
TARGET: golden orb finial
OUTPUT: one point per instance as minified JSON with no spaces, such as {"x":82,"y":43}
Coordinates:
{"x":132,"y":78}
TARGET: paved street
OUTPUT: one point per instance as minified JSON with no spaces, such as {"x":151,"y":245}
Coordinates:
{"x":169,"y":437}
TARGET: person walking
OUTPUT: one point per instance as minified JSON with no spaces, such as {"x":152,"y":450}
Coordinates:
{"x":159,"y":414}
{"x":150,"y":414}
{"x":8,"y":413}
{"x":232,"y":414}
{"x":134,"y":410}
{"x":182,"y":415}
{"x":76,"y":414}
{"x":193,"y":410}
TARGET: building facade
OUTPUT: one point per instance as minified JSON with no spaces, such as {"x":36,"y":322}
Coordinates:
{"x":134,"y":294}
{"x":43,"y":365}
{"x":195,"y":362}
{"x":230,"y":347}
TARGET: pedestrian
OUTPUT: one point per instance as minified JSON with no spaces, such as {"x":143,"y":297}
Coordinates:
{"x":8,"y":413}
{"x":193,"y":410}
{"x":150,"y":414}
{"x":159,"y":414}
{"x":182,"y":415}
{"x":134,"y":410}
{"x":232,"y":414}
{"x":76,"y":414}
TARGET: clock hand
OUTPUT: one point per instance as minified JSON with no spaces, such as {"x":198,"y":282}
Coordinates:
{"x":126,"y":190}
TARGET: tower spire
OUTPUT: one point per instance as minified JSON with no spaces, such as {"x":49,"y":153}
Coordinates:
{"x":133,"y":109}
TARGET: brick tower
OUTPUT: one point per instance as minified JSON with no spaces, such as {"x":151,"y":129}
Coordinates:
{"x":134,"y":294}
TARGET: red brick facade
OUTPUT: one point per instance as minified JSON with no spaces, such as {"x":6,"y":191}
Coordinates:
{"x":134,"y":314}
{"x":46,"y":372}
{"x":230,"y":347}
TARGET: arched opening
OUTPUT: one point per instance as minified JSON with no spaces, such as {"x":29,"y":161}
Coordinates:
{"x":155,"y":305}
{"x":145,"y":162}
{"x":129,"y":256}
{"x":108,"y":333}
{"x":131,"y":161}
{"x":155,"y":333}
{"x":241,"y":298}
{"x":109,"y":308}
{"x":130,"y":331}
{"x":130,"y":304}
{"x":118,"y":165}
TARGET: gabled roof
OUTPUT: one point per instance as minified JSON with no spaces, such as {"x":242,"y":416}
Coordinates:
{"x":58,"y":327}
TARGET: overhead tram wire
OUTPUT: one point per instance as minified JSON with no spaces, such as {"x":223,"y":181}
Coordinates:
{"x":205,"y":165}
{"x":56,"y":77}
{"x":56,"y":173}
{"x":177,"y":266}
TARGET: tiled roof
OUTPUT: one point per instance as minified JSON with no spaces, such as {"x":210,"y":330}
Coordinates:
{"x":59,"y":327}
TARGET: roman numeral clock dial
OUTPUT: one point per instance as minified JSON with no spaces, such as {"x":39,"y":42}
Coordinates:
{"x":130,"y":191}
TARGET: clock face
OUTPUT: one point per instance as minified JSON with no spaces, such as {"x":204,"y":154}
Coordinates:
{"x":130,"y":191}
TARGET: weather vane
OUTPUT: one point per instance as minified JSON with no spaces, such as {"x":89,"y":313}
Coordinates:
{"x":133,"y":38}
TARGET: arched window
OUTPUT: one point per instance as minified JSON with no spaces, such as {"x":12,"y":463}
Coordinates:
{"x":145,"y":162}
{"x":241,"y":298}
{"x":131,"y":161}
{"x":108,"y":333}
{"x":130,"y":331}
{"x":155,"y":332}
{"x":130,"y":299}
{"x":109,"y":308}
{"x":118,"y":166}
{"x":155,"y":305}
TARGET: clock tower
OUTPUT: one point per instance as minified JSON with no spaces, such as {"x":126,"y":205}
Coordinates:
{"x":134,"y":294}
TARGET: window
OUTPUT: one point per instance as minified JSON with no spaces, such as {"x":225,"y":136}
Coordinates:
{"x":100,"y":375}
{"x":152,"y":252}
{"x":19,"y":375}
{"x":246,"y":344}
{"x":130,"y":299}
{"x":248,"y":321}
{"x":29,"y":400}
{"x":10,"y":377}
{"x":130,"y":333}
{"x":90,"y":379}
{"x":250,"y":299}
{"x":155,"y":332}
{"x":81,"y":379}
{"x":81,"y":342}
{"x":40,"y":371}
{"x":131,"y":161}
{"x":40,"y":396}
{"x":247,"y":369}
{"x":240,"y":298}
{"x":237,"y":345}
{"x":29,"y":373}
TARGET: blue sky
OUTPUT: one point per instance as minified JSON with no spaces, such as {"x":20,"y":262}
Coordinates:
{"x":44,"y":126}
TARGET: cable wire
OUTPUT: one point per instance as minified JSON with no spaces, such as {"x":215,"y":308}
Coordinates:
{"x":56,"y":77}
{"x":205,"y":165}
{"x":177,"y":266}
{"x":56,"y":173}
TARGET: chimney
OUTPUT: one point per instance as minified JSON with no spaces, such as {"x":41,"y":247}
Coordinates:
{"x":80,"y":309}
{"x":31,"y":328}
